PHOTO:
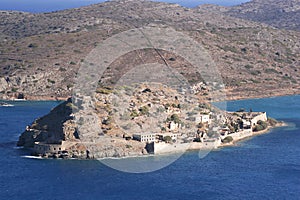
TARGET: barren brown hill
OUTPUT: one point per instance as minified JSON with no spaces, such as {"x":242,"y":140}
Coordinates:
{"x":41,"y":53}
{"x":283,"y":14}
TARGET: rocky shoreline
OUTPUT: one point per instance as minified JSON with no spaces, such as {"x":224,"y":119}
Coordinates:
{"x":192,"y":147}
{"x":266,"y":131}
{"x":231,"y":95}
{"x":136,"y":121}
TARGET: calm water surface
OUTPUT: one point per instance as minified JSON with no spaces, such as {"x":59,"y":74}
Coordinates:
{"x":264,"y":167}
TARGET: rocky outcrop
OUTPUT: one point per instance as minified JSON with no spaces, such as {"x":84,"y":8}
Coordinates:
{"x":52,"y":128}
{"x":55,"y":135}
{"x":3,"y":84}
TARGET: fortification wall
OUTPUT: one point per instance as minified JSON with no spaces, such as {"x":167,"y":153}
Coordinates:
{"x":241,"y":134}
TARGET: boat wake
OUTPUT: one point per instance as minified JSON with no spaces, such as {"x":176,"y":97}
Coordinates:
{"x":3,"y":104}
{"x":33,"y":157}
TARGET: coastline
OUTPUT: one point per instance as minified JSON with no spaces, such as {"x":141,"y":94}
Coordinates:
{"x":231,"y":95}
{"x":215,"y":145}
{"x":262,"y":132}
{"x":191,"y":147}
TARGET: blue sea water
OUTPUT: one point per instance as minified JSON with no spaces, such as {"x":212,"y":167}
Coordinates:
{"x":264,"y":167}
{"x":37,"y":6}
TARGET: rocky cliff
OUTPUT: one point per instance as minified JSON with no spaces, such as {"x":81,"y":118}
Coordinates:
{"x":59,"y":126}
{"x":108,"y":129}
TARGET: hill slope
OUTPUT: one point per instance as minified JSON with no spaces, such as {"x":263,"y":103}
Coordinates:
{"x":41,"y":53}
{"x":283,"y":14}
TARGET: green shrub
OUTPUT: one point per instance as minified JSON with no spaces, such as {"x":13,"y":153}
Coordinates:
{"x":134,"y":114}
{"x":271,"y":70}
{"x":261,"y":125}
{"x":272,"y":121}
{"x":248,"y":66}
{"x":167,"y":139}
{"x":62,"y":69}
{"x":144,"y":110}
{"x":51,"y":81}
{"x":163,"y":129}
{"x":228,"y":139}
{"x":32,"y":45}
{"x":255,"y":72}
{"x":175,"y":118}
{"x":104,"y":90}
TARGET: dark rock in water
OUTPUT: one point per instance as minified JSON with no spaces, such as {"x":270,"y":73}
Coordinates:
{"x":87,"y":154}
{"x":55,"y":155}
{"x":45,"y":155}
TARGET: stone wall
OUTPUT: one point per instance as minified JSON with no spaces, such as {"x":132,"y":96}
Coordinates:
{"x":241,"y":134}
{"x":261,"y":116}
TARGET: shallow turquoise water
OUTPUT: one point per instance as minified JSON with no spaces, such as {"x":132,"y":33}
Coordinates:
{"x":264,"y":167}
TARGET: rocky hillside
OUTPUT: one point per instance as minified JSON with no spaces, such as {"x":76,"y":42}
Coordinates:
{"x":41,"y":53}
{"x":283,"y":14}
{"x":119,"y":114}
{"x":59,"y":125}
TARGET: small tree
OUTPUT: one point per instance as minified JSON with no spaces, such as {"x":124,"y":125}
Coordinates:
{"x":167,"y":139}
{"x":200,"y":125}
{"x":175,"y":118}
{"x":134,"y":114}
{"x":228,"y":139}
{"x":261,"y":125}
{"x":144,"y":110}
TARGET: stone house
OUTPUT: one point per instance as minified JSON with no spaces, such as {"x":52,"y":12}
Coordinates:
{"x":41,"y":148}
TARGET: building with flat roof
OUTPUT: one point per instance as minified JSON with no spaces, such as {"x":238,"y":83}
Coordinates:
{"x":145,"y":137}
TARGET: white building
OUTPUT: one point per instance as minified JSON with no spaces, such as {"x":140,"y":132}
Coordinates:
{"x":145,"y":137}
{"x":259,"y":117}
{"x":202,"y":118}
{"x":246,"y":124}
{"x":173,"y":126}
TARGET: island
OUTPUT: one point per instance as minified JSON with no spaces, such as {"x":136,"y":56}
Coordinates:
{"x":146,"y":119}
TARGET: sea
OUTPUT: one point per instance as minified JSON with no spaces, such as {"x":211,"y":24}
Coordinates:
{"x":263,"y":167}
{"x":38,"y":6}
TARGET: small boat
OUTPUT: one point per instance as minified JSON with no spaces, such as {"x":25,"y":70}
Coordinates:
{"x":3,"y":104}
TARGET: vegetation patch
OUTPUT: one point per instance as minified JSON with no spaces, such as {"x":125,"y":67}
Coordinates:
{"x":228,"y":139}
{"x":261,"y":125}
